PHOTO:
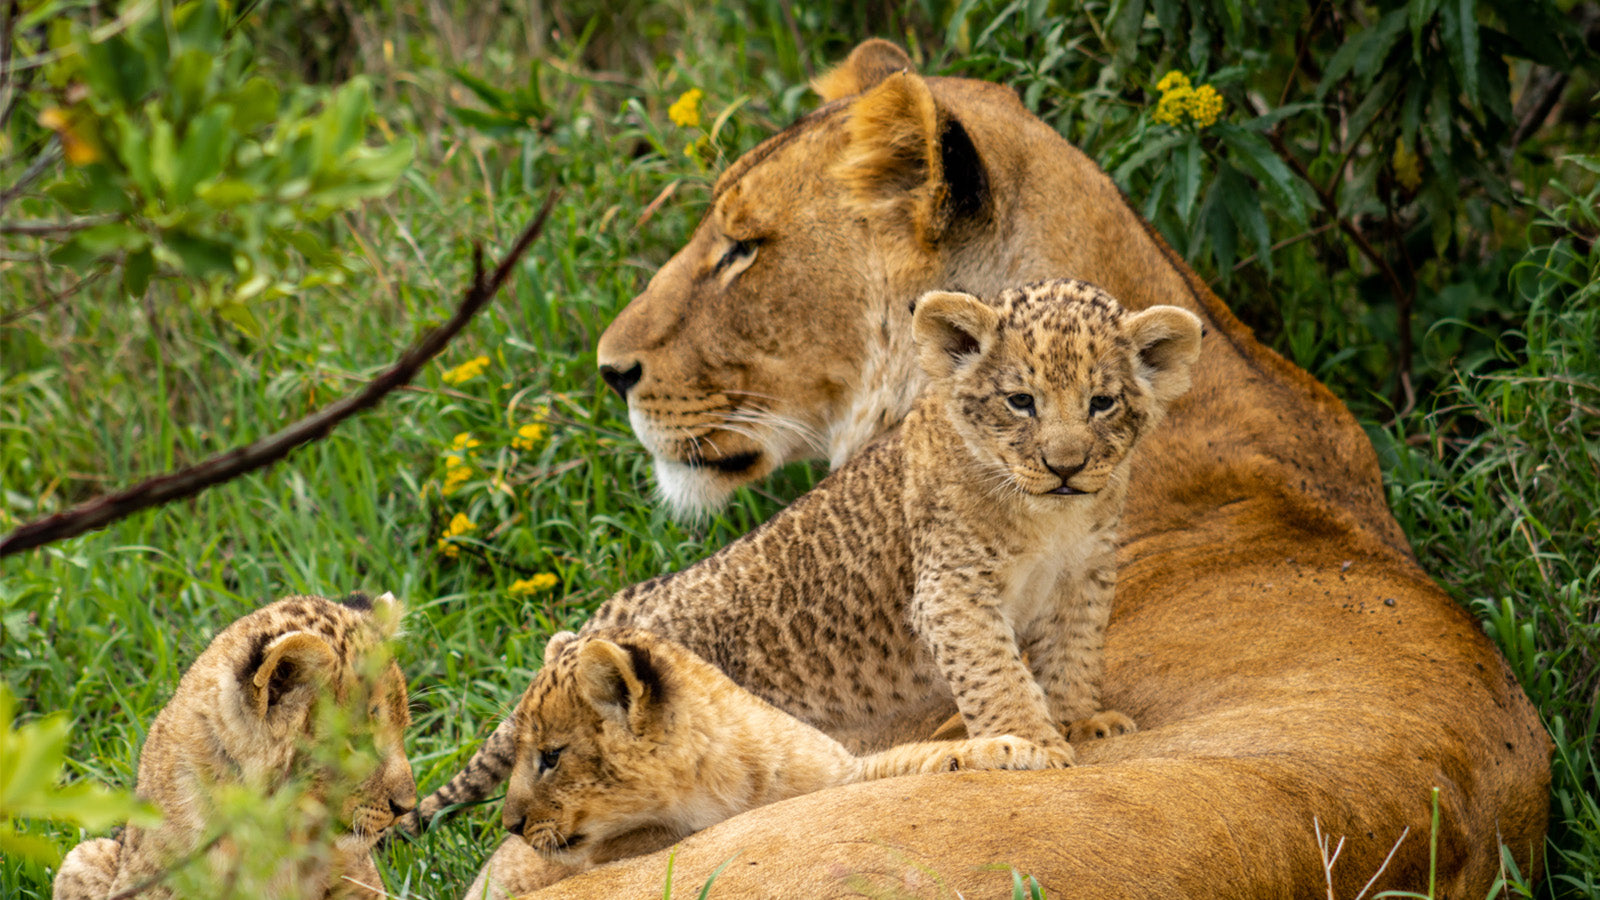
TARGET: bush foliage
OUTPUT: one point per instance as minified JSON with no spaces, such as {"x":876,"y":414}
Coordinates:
{"x":218,"y":216}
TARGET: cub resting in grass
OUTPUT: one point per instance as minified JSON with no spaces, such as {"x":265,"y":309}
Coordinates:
{"x":624,"y":730}
{"x":250,"y":713}
{"x":922,"y":570}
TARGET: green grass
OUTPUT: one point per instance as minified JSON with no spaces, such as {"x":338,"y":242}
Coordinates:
{"x":1495,"y":477}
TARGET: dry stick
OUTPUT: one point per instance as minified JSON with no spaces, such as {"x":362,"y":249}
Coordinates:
{"x":103,"y":510}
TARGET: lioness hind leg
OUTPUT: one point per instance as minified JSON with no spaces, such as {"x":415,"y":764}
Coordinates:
{"x":88,"y":871}
{"x":1103,"y":724}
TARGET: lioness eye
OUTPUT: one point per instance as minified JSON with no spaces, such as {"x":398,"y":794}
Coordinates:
{"x":1022,"y":403}
{"x":1100,"y":403}
{"x":549,"y":758}
{"x":738,"y":251}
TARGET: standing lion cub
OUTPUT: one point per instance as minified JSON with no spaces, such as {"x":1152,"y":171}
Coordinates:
{"x":253,"y":711}
{"x":969,"y":556}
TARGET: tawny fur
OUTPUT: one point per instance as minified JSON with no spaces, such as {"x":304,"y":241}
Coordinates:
{"x":627,"y":742}
{"x":1284,"y":655}
{"x":925,"y":568}
{"x":245,"y":714}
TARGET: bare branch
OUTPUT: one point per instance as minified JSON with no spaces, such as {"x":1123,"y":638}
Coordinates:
{"x":104,"y":510}
{"x":39,"y":166}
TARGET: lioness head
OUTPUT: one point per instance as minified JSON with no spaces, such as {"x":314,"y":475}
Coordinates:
{"x":277,"y":687}
{"x":782,"y":331}
{"x":601,"y":747}
{"x":1052,"y":383}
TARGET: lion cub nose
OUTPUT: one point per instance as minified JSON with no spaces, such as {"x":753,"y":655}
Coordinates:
{"x":1065,"y":472}
{"x":621,"y":380}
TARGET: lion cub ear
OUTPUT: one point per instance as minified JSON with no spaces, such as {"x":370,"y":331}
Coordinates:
{"x":293,"y":668}
{"x":1166,"y":343}
{"x":952,"y":329}
{"x":557,"y":642}
{"x":869,"y":63}
{"x":621,"y":683}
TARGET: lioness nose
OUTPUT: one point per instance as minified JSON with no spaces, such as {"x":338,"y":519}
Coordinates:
{"x":398,"y":810}
{"x":517,"y":826}
{"x":622,"y":379}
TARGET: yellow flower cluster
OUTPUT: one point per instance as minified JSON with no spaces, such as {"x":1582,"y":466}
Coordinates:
{"x":1179,"y":100}
{"x":529,"y":435}
{"x":467,"y":371}
{"x":1407,"y":168}
{"x":543,"y":581}
{"x":685,"y":111}
{"x":457,"y":467}
{"x":459,"y":525}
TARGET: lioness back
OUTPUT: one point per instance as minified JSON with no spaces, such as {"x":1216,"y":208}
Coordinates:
{"x":249,"y":713}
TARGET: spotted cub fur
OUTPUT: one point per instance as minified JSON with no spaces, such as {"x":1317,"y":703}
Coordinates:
{"x":966,"y":557}
{"x":624,"y":732}
{"x":245,"y":714}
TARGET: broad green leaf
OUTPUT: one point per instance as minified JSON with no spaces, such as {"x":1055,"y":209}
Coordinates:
{"x":1244,"y":208}
{"x":342,"y":124}
{"x":117,"y":73}
{"x":205,"y":148}
{"x":254,"y":104}
{"x":1152,"y":147}
{"x":1252,"y":151}
{"x":1186,"y":165}
{"x":163,"y":151}
{"x":1343,"y":59}
{"x":1375,"y":49}
{"x":200,"y":257}
{"x":111,"y":237}
{"x":1419,"y":13}
{"x":33,"y":761}
{"x":28,"y":846}
{"x":188,"y":84}
{"x":229,"y":192}
{"x":136,"y":271}
{"x":1459,"y":32}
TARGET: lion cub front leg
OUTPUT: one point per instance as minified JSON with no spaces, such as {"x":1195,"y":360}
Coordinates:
{"x":88,"y":871}
{"x":1066,"y":650}
{"x":956,"y":614}
{"x":976,"y":754}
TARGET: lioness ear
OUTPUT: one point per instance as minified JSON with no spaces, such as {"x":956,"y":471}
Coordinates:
{"x":952,"y":329}
{"x":621,"y":683}
{"x":295,"y":661}
{"x":869,"y":63}
{"x":911,"y":161}
{"x":1166,"y":342}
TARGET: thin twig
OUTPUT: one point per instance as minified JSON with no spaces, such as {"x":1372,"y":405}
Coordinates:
{"x":162,"y":875}
{"x":41,"y":164}
{"x":1373,"y":880}
{"x":103,"y":510}
{"x":65,"y":226}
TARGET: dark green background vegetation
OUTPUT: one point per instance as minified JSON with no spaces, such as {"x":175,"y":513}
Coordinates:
{"x":215,"y":219}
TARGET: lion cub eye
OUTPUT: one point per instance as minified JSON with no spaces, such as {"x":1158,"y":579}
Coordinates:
{"x":549,"y":758}
{"x":1022,"y":403}
{"x":1101,"y":403}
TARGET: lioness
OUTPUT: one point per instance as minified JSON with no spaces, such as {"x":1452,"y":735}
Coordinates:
{"x":1290,"y":666}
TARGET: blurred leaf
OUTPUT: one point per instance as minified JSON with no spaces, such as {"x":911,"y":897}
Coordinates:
{"x":1186,"y":163}
{"x":1257,"y":156}
{"x":201,"y":257}
{"x":136,"y":271}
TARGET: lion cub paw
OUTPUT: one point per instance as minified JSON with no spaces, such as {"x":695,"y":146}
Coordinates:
{"x":1107,"y":723}
{"x":1005,"y":752}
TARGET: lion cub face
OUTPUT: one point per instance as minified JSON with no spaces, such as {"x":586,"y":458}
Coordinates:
{"x":1051,"y":384}
{"x":276,"y":689}
{"x":594,"y":755}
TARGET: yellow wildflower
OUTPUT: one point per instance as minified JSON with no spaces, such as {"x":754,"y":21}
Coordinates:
{"x":1407,"y":168}
{"x":1205,"y":105}
{"x":453,"y":477}
{"x":685,"y":111}
{"x":529,"y":436}
{"x":543,"y":581}
{"x":700,"y":150}
{"x":76,"y":145}
{"x":1172,"y":81}
{"x":468,"y":370}
{"x":458,"y":526}
{"x":1179,"y":101}
{"x":464,"y":441}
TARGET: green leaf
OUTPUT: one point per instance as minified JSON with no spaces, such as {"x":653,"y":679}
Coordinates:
{"x":492,"y":97}
{"x":136,"y":271}
{"x":205,"y":148}
{"x":28,"y":846}
{"x":1375,"y":49}
{"x":254,"y":104}
{"x":1243,"y":204}
{"x":1186,"y":163}
{"x":108,"y":238}
{"x":1252,"y":151}
{"x":72,"y":255}
{"x":1419,"y":14}
{"x":117,"y":73}
{"x":188,"y":84}
{"x":1460,"y":34}
{"x":1343,"y":59}
{"x":229,"y":192}
{"x":200,"y":257}
{"x":163,"y":152}
{"x":342,"y":124}
{"x":1150,"y":150}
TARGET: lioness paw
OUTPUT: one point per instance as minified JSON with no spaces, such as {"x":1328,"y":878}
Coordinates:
{"x":1005,"y":752}
{"x":1107,"y":723}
